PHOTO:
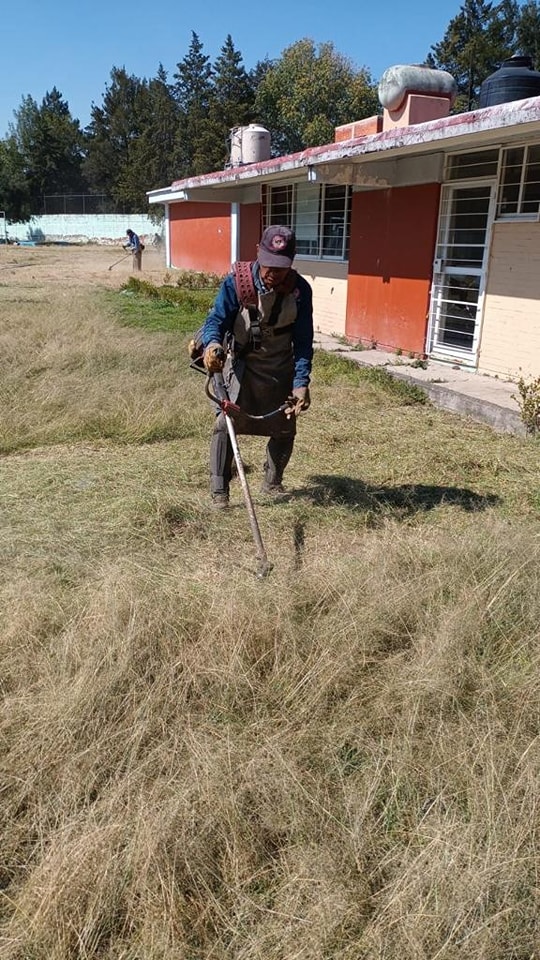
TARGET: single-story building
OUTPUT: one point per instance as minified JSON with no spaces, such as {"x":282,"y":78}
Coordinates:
{"x":418,"y":230}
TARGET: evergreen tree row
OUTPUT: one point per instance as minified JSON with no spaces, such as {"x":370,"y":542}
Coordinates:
{"x":148,"y":133}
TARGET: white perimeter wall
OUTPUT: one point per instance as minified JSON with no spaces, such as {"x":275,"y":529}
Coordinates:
{"x":74,"y":228}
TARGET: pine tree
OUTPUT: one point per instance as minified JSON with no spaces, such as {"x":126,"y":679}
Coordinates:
{"x":154,"y":163}
{"x":258,"y":72}
{"x":112,"y":136}
{"x":50,"y":143}
{"x":476,"y":42}
{"x":15,"y":198}
{"x":528,"y":32}
{"x":232,"y":101}
{"x":193,"y":92}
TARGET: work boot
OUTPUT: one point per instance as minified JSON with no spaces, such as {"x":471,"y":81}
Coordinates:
{"x":278,"y":453}
{"x":220,"y":501}
{"x":272,"y":487}
{"x":275,"y":491}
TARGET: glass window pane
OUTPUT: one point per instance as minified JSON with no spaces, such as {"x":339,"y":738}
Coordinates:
{"x":511,"y":181}
{"x":319,"y":215}
{"x":280,"y":206}
{"x":482,"y":163}
{"x":306,"y":219}
{"x":334,"y":222}
{"x":458,"y":305}
{"x":466,"y":227}
{"x":531,"y":188}
{"x":348,"y":224}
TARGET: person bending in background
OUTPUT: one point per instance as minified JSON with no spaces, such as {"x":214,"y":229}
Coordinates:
{"x":134,"y":244}
{"x":266,"y":362}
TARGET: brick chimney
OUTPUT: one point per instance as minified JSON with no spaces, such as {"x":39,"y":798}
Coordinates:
{"x":360,"y":128}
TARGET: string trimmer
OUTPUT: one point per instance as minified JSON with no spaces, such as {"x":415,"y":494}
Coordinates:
{"x":221,"y":398}
{"x":119,"y":261}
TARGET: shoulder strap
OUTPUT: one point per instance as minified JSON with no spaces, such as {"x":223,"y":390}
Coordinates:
{"x":243,"y":280}
{"x":245,"y":287}
{"x":248,"y":299}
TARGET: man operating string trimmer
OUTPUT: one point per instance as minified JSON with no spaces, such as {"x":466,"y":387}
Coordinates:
{"x":268,"y":361}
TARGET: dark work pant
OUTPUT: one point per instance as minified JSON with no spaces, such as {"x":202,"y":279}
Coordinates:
{"x":278,"y":454}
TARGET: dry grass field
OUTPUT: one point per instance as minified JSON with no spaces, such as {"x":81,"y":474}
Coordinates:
{"x":340,"y":762}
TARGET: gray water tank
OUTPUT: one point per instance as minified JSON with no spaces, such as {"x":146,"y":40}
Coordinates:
{"x":249,"y":144}
{"x":398,"y":81}
{"x":514,"y":80}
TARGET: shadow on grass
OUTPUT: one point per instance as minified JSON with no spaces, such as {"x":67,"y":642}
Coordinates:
{"x":405,"y":500}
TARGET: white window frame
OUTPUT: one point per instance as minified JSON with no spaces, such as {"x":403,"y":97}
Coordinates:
{"x":274,"y":216}
{"x":516,"y":214}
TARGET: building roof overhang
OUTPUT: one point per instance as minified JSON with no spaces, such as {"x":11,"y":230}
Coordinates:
{"x":362,"y":161}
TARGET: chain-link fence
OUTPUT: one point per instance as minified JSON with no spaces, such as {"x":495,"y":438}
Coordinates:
{"x":80,"y":203}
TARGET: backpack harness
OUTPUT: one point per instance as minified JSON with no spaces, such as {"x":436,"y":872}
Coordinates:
{"x":247,"y":296}
{"x":248,"y":299}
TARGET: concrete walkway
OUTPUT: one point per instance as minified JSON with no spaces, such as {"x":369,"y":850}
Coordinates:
{"x":482,"y":398}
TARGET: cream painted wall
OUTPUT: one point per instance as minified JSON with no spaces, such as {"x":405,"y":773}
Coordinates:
{"x":329,"y":282}
{"x":510,"y":341}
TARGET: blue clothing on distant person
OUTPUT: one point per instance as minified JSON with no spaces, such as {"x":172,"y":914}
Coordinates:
{"x":134,"y":242}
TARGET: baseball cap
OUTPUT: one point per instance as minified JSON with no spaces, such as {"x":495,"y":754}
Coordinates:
{"x":277,"y":247}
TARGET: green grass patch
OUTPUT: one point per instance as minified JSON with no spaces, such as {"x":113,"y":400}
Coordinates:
{"x":332,"y":370}
{"x":169,"y":308}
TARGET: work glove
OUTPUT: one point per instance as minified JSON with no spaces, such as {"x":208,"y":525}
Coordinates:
{"x":194,"y":349}
{"x":299,"y":400}
{"x":214,"y":358}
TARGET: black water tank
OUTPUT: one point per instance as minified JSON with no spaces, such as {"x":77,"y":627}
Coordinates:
{"x":514,"y":80}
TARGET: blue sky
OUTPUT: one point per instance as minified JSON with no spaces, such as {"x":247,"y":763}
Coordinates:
{"x":73,"y":44}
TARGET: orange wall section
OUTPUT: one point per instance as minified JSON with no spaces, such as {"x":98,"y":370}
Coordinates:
{"x":392,"y":247}
{"x":250,"y":230}
{"x":200,"y":235}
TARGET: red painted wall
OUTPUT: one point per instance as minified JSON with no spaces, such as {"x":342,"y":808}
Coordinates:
{"x":250,"y":229}
{"x":392,"y":247}
{"x":200,"y":236}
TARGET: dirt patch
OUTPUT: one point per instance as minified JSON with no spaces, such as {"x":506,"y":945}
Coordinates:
{"x":79,"y":265}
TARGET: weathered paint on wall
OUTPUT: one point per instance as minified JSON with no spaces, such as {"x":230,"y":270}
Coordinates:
{"x":201,"y":236}
{"x":329,"y":282}
{"x":510,"y":339}
{"x":76,"y":228}
{"x":390,"y":266}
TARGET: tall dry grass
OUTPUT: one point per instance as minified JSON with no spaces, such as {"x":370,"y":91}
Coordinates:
{"x":338,"y":763}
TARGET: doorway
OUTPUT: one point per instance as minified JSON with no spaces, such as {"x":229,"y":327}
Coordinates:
{"x":458,"y":272}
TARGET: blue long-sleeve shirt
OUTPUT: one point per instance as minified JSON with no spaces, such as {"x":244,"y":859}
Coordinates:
{"x":220,"y":322}
{"x":133,"y":243}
